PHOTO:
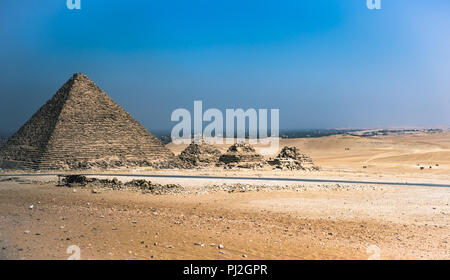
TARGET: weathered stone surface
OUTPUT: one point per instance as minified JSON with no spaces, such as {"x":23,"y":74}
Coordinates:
{"x":290,"y":158}
{"x":241,"y":155}
{"x":3,"y":140}
{"x":139,"y":184}
{"x":81,"y":127}
{"x":201,"y":154}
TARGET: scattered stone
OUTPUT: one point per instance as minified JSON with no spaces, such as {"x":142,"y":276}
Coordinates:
{"x":199,"y":244}
{"x":220,"y":246}
{"x":244,"y":255}
{"x":149,"y":187}
{"x":31,"y":207}
{"x":143,"y":185}
{"x":154,"y":188}
{"x":221,"y":252}
{"x":26,"y":232}
{"x":75,"y":180}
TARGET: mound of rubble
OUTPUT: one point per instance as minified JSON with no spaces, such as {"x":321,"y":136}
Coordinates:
{"x":202,"y":154}
{"x":290,"y":158}
{"x":241,"y":155}
{"x":144,"y":186}
{"x":114,"y":184}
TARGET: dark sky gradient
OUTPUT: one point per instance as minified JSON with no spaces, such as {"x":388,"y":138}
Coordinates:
{"x":323,"y":63}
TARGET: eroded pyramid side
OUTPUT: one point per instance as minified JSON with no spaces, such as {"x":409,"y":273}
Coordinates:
{"x":82,"y":127}
{"x":25,"y":148}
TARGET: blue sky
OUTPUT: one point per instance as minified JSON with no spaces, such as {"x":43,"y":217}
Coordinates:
{"x":323,"y":63}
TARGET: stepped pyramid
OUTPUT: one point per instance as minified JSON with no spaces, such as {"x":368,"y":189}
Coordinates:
{"x":242,"y":155}
{"x":81,"y":127}
{"x":201,"y":154}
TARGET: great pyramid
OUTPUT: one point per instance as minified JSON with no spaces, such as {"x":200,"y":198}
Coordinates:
{"x":81,"y":127}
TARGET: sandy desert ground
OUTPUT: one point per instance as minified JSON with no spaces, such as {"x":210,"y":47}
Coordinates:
{"x":399,"y":156}
{"x":306,"y":221}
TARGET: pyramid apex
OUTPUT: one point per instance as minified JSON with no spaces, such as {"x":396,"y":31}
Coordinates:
{"x":79,"y":76}
{"x":80,"y":79}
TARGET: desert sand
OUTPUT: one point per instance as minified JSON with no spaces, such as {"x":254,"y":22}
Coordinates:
{"x":398,"y":155}
{"x":313,"y":221}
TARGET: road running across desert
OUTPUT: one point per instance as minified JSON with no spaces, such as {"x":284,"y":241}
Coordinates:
{"x":342,"y":211}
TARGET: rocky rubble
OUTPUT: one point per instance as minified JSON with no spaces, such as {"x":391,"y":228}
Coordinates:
{"x":148,"y":187}
{"x":237,"y":188}
{"x":290,"y":158}
{"x":145,"y":186}
{"x":114,"y":184}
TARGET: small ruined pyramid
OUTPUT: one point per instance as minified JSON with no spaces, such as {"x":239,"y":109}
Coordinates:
{"x":242,"y":155}
{"x":200,"y":154}
{"x":81,"y":127}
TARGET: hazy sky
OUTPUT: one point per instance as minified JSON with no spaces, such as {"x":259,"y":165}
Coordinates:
{"x":323,"y":63}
